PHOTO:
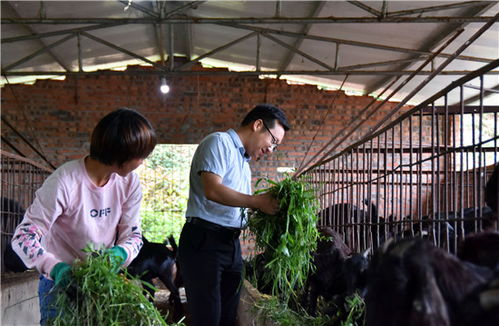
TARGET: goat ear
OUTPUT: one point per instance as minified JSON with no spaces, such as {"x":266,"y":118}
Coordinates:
{"x":386,"y":245}
{"x":366,"y":252}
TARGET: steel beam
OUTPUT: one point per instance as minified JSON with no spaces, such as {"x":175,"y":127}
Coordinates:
{"x":432,"y":43}
{"x":45,"y":49}
{"x":299,"y":40}
{"x":136,"y":6}
{"x":80,"y":54}
{"x":262,"y":30}
{"x":381,"y":63}
{"x":114,"y":46}
{"x":487,"y":69}
{"x":258,"y":50}
{"x":289,"y":47}
{"x":353,"y":43}
{"x":365,"y":7}
{"x":56,"y":33}
{"x":437,"y":8}
{"x":42,"y":43}
{"x":439,"y":70}
{"x":171,"y":49}
{"x":183,"y":7}
{"x":490,"y":90}
{"x":251,"y":20}
{"x":212,"y":52}
{"x":486,"y":93}
{"x":240,"y":73}
{"x":158,"y":35}
{"x":359,"y":120}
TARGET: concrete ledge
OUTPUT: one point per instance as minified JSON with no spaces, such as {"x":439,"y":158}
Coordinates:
{"x":247,"y":313}
{"x":20,"y":304}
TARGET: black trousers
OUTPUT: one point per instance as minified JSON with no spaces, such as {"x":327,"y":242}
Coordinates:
{"x":211,"y":265}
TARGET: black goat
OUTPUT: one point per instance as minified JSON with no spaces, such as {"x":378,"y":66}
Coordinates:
{"x":354,"y":221}
{"x":355,"y":271}
{"x":254,"y":271}
{"x":473,"y":219}
{"x":12,"y":261}
{"x":412,"y":282}
{"x":443,"y":227}
{"x":481,"y":307}
{"x":481,"y":249}
{"x":327,"y":280}
{"x":155,"y":260}
{"x":12,"y":215}
{"x":337,"y":273}
{"x":331,"y":241}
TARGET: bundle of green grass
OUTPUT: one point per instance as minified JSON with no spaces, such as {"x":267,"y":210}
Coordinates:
{"x":288,"y":238}
{"x":98,"y":296}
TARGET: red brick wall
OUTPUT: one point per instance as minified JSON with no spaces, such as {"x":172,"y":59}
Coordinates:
{"x":58,"y":116}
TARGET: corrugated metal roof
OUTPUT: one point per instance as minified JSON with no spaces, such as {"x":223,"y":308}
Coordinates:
{"x":321,"y":42}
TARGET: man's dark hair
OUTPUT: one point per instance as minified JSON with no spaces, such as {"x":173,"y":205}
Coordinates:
{"x":120,"y":136}
{"x":269,"y":114}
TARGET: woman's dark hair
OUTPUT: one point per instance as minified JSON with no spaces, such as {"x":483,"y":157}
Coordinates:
{"x":269,"y":114}
{"x":120,"y":136}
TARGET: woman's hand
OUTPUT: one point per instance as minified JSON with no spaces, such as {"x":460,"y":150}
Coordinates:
{"x":61,"y":274}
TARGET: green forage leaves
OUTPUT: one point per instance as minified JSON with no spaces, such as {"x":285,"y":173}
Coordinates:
{"x":101,"y":297}
{"x":289,"y":237}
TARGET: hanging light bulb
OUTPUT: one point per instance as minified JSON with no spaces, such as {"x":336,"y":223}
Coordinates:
{"x":164,"y":88}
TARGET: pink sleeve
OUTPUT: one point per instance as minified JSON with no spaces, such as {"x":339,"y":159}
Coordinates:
{"x":129,"y":231}
{"x":39,"y":217}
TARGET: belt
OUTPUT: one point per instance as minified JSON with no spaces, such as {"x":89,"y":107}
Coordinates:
{"x":225,"y":230}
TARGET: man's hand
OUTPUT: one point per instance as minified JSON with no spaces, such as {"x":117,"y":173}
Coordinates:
{"x":267,"y":203}
{"x":216,"y":191}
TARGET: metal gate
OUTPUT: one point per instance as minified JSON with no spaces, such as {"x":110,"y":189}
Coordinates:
{"x":21,"y":177}
{"x":422,"y":175}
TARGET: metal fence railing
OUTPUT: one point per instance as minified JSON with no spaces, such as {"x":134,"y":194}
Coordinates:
{"x":21,"y":177}
{"x":423,"y":174}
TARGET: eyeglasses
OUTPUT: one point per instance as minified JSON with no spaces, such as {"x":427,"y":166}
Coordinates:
{"x":274,"y":144}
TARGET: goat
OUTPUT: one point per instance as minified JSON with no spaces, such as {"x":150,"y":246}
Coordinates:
{"x":155,"y":260}
{"x":12,"y":215}
{"x":412,"y":282}
{"x":355,"y":271}
{"x":12,"y":261}
{"x":481,"y":307}
{"x":436,"y":226}
{"x":481,"y":249}
{"x":254,"y":270}
{"x":330,"y":241}
{"x":345,"y":214}
{"x":337,"y":273}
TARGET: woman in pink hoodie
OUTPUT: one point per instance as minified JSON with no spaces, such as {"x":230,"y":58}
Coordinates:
{"x":95,"y":199}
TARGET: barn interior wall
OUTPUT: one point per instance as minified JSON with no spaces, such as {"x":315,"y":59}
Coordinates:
{"x":57,"y":116}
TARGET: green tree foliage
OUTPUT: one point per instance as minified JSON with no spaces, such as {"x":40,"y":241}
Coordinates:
{"x":165,"y":189}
